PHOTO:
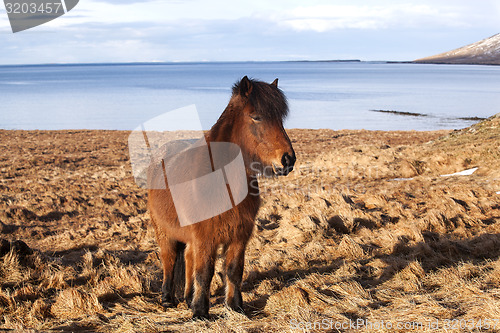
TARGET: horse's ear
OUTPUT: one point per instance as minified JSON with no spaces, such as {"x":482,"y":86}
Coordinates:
{"x":275,"y":83}
{"x":245,"y":86}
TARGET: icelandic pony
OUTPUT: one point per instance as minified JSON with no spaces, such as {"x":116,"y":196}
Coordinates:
{"x":253,"y":120}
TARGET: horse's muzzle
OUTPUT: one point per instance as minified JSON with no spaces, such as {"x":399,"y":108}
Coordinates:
{"x":288,"y":161}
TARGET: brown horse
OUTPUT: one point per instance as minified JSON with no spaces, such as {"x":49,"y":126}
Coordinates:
{"x":253,"y":120}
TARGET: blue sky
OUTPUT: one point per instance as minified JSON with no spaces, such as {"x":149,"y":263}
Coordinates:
{"x":258,"y":30}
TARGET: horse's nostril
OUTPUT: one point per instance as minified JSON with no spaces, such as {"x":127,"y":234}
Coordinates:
{"x":284,"y":160}
{"x":287,"y":160}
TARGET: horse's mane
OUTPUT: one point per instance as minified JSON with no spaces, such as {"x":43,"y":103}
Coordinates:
{"x":267,"y":99}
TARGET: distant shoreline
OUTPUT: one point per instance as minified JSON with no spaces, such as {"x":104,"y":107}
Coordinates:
{"x":293,"y":129}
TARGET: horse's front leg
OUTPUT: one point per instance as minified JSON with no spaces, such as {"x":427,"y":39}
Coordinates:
{"x":168,"y":256}
{"x":204,"y":266}
{"x":234,"y":263}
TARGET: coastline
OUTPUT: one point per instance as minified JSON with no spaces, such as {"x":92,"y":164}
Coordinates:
{"x":365,"y":218}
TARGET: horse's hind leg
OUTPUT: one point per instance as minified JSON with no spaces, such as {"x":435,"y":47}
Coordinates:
{"x":233,"y":266}
{"x":204,"y":266}
{"x":168,"y":255}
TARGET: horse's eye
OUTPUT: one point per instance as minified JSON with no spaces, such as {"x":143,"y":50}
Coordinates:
{"x":256,"y":117}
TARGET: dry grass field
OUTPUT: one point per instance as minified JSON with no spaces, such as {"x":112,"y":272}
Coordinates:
{"x":365,"y":235}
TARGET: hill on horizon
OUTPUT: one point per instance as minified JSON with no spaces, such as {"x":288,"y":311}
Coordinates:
{"x":484,"y":52}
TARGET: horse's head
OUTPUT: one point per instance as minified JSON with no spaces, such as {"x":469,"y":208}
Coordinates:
{"x":256,"y":112}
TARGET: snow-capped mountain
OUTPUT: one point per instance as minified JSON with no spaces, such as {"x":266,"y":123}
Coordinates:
{"x":485,"y":52}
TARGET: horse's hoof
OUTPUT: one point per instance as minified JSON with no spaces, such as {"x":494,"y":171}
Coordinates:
{"x":240,"y":310}
{"x":201,"y":316}
{"x":167,"y":305}
{"x":236,"y":304}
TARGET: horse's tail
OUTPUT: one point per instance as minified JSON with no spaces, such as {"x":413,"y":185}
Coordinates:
{"x":179,"y":272}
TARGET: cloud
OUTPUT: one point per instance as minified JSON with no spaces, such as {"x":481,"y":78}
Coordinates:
{"x":194,"y":30}
{"x":322,"y":18}
{"x":156,"y":11}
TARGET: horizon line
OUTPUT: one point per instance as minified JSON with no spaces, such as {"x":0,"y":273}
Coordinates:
{"x":196,"y":62}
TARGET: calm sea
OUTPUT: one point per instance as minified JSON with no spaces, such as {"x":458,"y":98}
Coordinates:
{"x":336,"y":95}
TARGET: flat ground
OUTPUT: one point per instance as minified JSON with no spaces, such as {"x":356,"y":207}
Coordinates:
{"x":364,"y":235}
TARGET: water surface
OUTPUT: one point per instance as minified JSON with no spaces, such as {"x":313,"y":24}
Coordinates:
{"x":335,"y":95}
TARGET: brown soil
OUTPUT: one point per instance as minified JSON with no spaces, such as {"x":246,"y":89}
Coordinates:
{"x":364,"y":231}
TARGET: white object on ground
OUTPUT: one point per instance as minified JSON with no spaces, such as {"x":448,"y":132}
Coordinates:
{"x":467,"y":172}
